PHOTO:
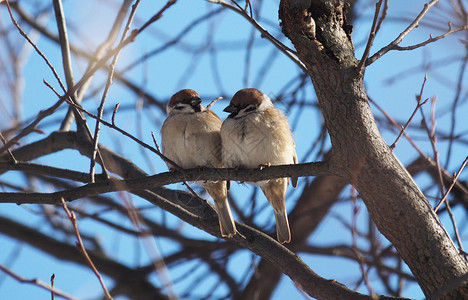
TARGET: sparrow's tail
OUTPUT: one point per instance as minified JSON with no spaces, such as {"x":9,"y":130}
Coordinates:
{"x":275,"y":192}
{"x":282,"y":227}
{"x":218,"y":192}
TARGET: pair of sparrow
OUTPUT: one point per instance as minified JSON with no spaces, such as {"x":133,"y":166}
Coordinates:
{"x":254,"y":134}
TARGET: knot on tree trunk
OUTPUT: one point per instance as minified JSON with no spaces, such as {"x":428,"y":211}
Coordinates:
{"x":324,"y":23}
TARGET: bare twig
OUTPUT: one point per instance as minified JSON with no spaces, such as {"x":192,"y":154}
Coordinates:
{"x":79,"y":244}
{"x":402,"y":35}
{"x":456,"y":101}
{"x":431,"y":39}
{"x":383,"y":16}
{"x":452,"y":218}
{"x":36,"y":282}
{"x":354,"y":232}
{"x":64,"y":44}
{"x":157,"y":16}
{"x":104,"y":46}
{"x":280,"y":46}
{"x":52,"y":278}
{"x":455,"y":178}
{"x":398,"y":126}
{"x":114,"y":113}
{"x":113,"y":126}
{"x":155,"y":142}
{"x":83,"y":120}
{"x":213,"y":102}
{"x":433,"y":140}
{"x":418,"y":106}
{"x":106,"y":91}
{"x":34,"y":46}
{"x":7,"y":148}
{"x":362,"y":63}
{"x":43,"y":113}
{"x":151,"y":247}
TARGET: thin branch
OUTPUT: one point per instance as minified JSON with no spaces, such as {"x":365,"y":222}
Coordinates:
{"x":283,"y":48}
{"x":157,"y":16}
{"x":161,"y":179}
{"x":114,"y":113}
{"x":45,"y":170}
{"x":455,"y":179}
{"x":151,"y":247}
{"x":354,"y":247}
{"x":402,"y":35}
{"x":36,"y":282}
{"x":113,"y":126}
{"x":34,"y":46}
{"x":7,"y":148}
{"x":43,"y":113}
{"x":213,"y":102}
{"x":456,"y":100}
{"x":433,"y":140}
{"x":82,"y":120}
{"x":418,"y":106}
{"x":431,"y":39}
{"x":79,"y":244}
{"x":383,"y":16}
{"x":106,"y":91}
{"x":52,"y":279}
{"x":362,"y":63}
{"x":104,"y":46}
{"x":64,"y":44}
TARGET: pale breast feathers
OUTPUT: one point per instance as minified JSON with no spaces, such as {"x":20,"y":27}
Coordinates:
{"x":193,"y":140}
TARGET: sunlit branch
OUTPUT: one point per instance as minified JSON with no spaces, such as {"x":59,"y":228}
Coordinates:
{"x":158,"y":180}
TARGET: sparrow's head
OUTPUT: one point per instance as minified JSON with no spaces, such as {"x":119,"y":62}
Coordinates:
{"x":246,"y":101}
{"x":185,"y":101}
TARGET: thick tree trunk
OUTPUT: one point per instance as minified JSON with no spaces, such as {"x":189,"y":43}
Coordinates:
{"x":319,"y":32}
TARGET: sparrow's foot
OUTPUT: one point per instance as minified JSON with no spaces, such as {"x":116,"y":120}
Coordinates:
{"x":263,"y":166}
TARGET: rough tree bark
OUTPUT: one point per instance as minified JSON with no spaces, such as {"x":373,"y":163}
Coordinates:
{"x":321,"y":36}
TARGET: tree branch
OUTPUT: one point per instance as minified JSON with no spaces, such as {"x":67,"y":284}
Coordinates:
{"x":402,"y":35}
{"x":158,"y":180}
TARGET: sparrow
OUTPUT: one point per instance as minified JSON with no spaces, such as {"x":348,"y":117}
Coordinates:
{"x":190,"y":137}
{"x":255,"y":134}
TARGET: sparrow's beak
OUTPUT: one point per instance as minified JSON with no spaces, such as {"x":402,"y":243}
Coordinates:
{"x":230,"y":109}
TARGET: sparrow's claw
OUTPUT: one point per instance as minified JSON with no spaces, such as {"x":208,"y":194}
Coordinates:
{"x":263,"y":166}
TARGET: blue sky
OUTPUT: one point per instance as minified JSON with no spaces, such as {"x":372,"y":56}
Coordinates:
{"x":174,"y":69}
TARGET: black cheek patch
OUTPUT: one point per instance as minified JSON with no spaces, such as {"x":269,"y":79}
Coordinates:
{"x":197,"y":108}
